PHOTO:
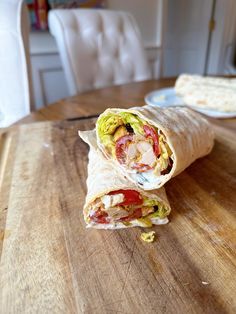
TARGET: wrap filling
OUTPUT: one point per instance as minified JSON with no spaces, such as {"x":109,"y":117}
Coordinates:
{"x":125,"y":206}
{"x":135,"y":144}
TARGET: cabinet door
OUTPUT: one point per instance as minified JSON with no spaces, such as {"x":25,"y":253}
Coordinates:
{"x":49,"y":81}
{"x":187,"y":36}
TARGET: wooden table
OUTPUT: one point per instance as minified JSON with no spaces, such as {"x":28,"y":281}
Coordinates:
{"x":50,"y":263}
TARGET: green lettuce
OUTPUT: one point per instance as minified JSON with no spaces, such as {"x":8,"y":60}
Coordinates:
{"x":160,"y":213}
{"x":108,"y":124}
{"x":135,"y":122}
{"x":150,"y":202}
{"x":108,"y":142}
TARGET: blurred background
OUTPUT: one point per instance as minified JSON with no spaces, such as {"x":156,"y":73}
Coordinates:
{"x":172,"y":37}
{"x":190,"y":36}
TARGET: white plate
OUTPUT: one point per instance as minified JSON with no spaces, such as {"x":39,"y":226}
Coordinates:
{"x":167,"y":97}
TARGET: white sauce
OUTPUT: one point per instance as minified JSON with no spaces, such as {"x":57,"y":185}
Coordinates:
{"x":134,"y":223}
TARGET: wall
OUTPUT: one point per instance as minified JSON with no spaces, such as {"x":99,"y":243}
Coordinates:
{"x":223,"y":41}
{"x":186,"y":38}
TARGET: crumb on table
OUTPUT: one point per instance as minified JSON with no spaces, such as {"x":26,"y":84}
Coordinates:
{"x":148,"y":236}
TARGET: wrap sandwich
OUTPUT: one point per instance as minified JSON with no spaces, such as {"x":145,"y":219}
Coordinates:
{"x":214,"y":93}
{"x":112,"y":201}
{"x":150,"y":144}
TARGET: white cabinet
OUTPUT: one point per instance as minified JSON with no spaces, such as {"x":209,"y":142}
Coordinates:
{"x":49,"y":83}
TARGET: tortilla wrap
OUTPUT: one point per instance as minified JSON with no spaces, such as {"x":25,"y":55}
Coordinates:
{"x":207,"y":92}
{"x":103,"y":178}
{"x":188,"y":135}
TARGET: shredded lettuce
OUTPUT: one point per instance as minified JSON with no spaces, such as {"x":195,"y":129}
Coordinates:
{"x":160,"y":213}
{"x":150,"y":202}
{"x":107,"y":140}
{"x":162,"y":164}
{"x":108,"y":124}
{"x":148,"y":237}
{"x":164,"y":152}
{"x":135,"y":122}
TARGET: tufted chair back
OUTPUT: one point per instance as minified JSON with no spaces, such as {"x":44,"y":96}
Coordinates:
{"x":98,"y":48}
{"x":15,"y":75}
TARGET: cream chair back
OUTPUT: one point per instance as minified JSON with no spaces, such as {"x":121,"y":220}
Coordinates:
{"x":98,"y":48}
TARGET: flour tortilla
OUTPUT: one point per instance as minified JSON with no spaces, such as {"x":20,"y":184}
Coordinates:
{"x":187,"y":133}
{"x":207,"y":92}
{"x":104,"y":178}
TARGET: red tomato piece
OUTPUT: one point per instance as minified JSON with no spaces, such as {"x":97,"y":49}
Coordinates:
{"x":100,"y":217}
{"x":132,"y":197}
{"x":141,"y":167}
{"x":121,"y":144}
{"x":151,"y":132}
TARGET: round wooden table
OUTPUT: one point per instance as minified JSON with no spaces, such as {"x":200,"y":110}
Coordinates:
{"x":94,"y":102}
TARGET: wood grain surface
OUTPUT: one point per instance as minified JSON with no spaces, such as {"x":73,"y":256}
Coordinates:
{"x":50,"y":263}
{"x":96,"y":101}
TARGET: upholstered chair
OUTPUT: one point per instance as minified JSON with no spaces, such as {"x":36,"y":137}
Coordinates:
{"x":98,"y":48}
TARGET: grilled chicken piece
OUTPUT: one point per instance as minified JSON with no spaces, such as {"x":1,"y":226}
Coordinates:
{"x":116,"y":212}
{"x":147,"y":154}
{"x":132,"y":151}
{"x":112,"y":200}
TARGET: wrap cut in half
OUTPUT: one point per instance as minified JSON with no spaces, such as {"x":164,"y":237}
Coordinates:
{"x":112,"y":201}
{"x":150,"y":145}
